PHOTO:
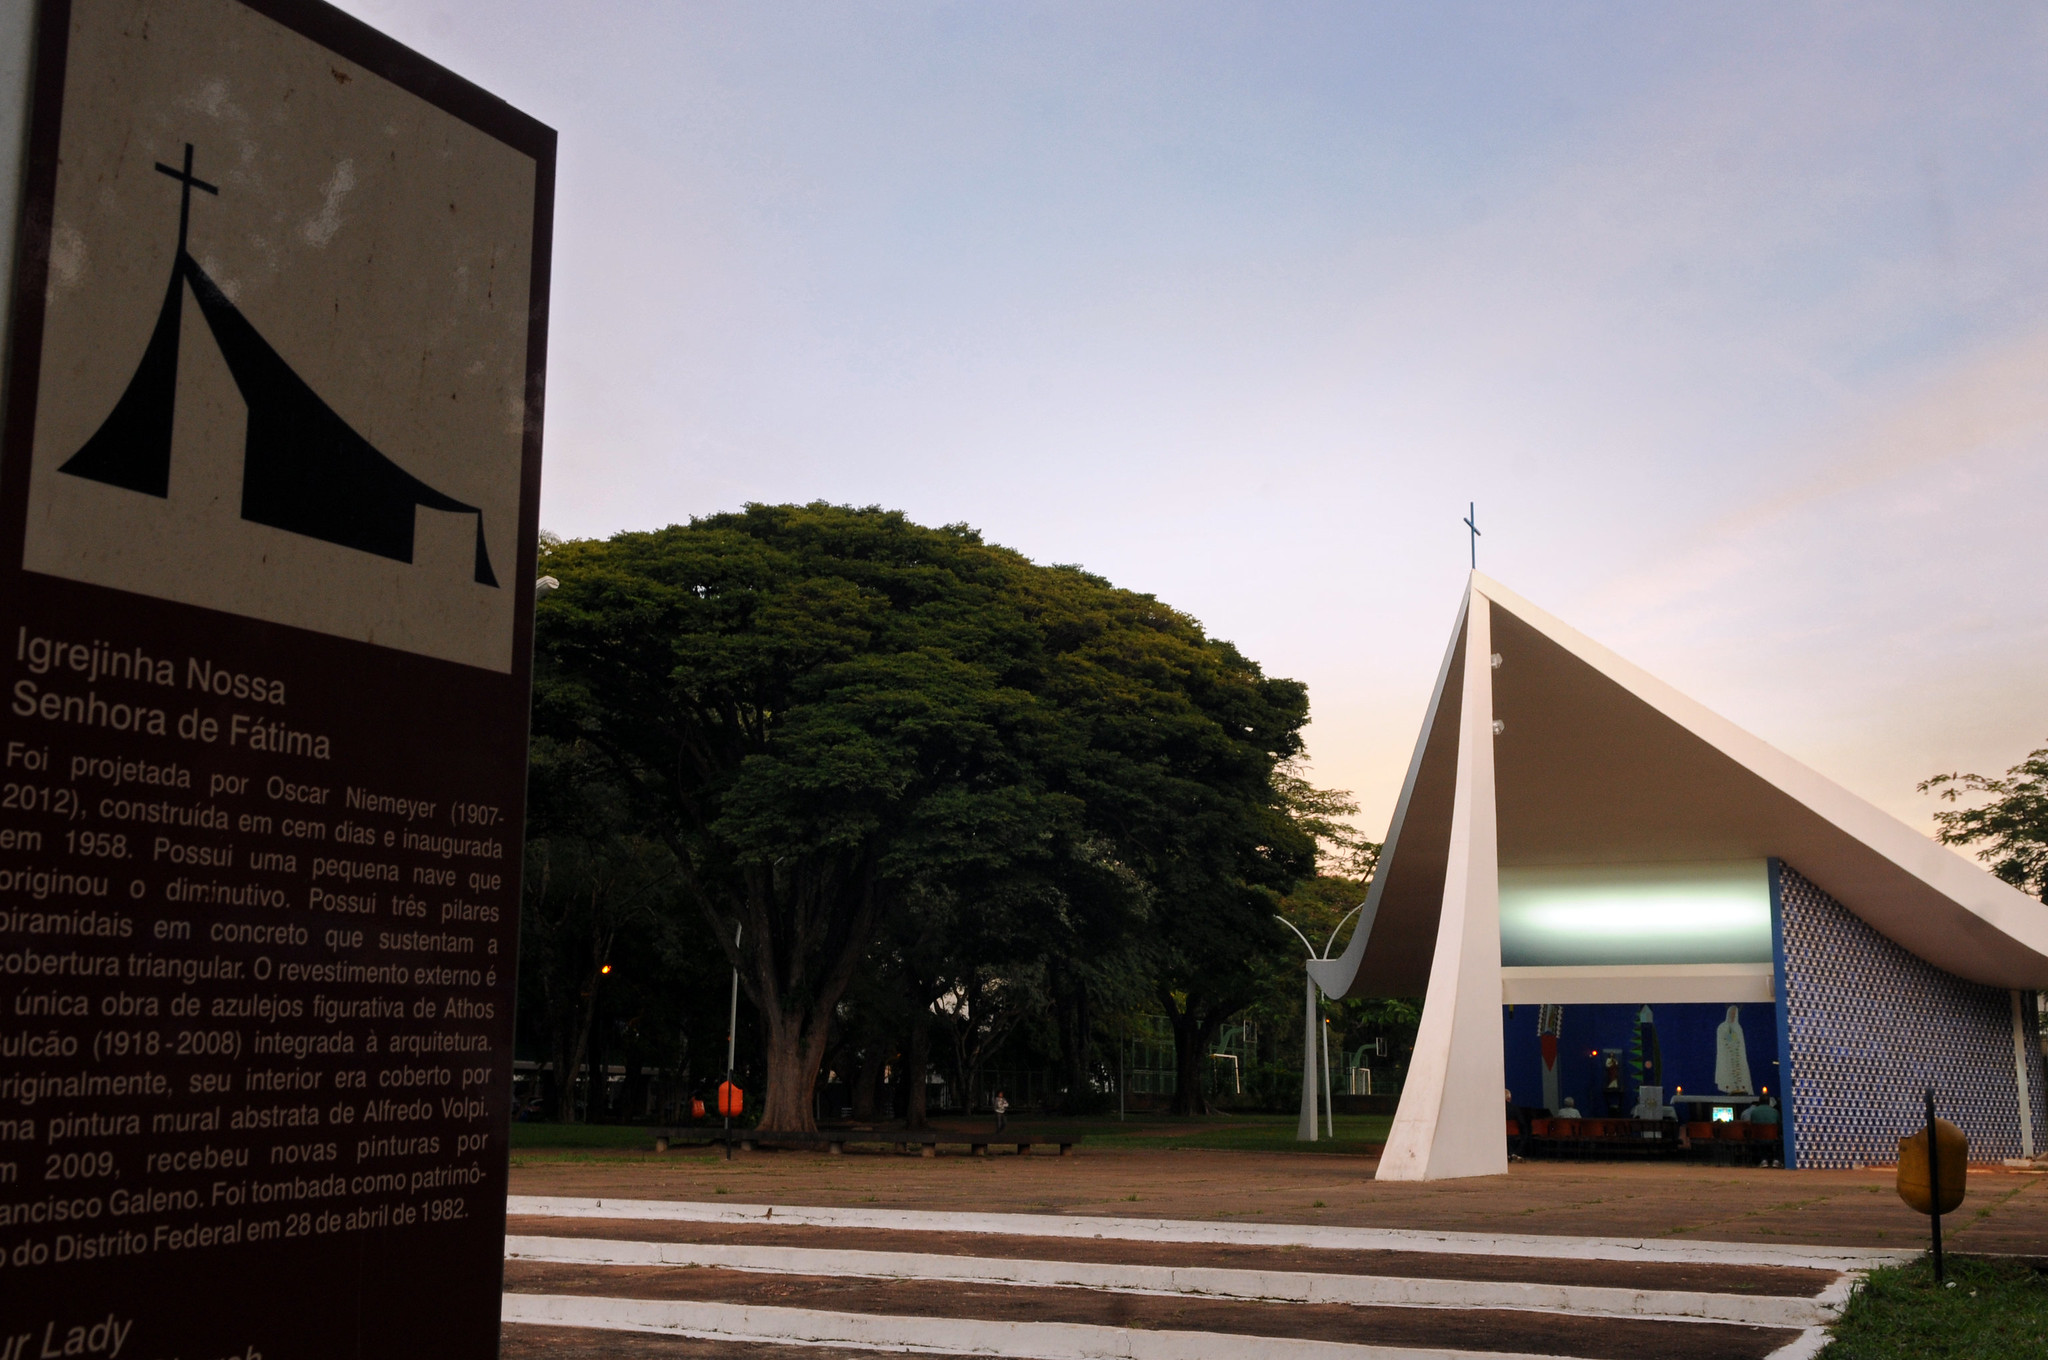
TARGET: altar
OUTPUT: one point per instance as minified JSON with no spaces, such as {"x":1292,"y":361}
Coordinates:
{"x":1602,"y":1057}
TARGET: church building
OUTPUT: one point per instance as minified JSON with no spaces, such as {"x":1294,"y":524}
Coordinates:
{"x":1609,"y":896}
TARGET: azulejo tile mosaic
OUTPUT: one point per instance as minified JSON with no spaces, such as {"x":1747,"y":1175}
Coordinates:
{"x":1871,"y":1026}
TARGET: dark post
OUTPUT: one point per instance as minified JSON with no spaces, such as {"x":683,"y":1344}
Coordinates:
{"x":732,"y":1030}
{"x":1934,"y":1183}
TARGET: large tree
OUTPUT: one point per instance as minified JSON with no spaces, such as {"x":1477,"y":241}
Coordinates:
{"x":824,"y":710}
{"x":2009,"y":828}
{"x":814,"y":705}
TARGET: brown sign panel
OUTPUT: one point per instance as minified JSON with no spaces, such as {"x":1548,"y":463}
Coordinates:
{"x":268,"y":497}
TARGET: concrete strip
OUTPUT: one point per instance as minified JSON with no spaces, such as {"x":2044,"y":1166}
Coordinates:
{"x":1805,"y":1346}
{"x":1238,"y":1234}
{"x":1836,"y":1296}
{"x":1253,"y":1285}
{"x":947,"y":1336}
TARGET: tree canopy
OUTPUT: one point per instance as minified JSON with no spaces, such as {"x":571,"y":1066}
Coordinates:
{"x":2010,"y":829}
{"x":839,"y":723}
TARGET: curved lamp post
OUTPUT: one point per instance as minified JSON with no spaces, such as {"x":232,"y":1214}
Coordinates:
{"x":1314,"y":1048}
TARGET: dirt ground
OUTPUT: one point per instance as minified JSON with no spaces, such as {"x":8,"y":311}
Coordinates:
{"x":2006,"y":1211}
{"x":571,"y":1343}
{"x":1677,"y":1275}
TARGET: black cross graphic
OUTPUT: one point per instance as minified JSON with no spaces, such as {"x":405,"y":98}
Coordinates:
{"x":185,"y":178}
{"x":1471,"y":514}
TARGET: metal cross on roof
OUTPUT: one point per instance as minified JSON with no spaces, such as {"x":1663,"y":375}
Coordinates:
{"x":1472,"y":514}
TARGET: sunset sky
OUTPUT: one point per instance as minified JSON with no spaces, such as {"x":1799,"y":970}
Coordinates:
{"x":1732,"y":320}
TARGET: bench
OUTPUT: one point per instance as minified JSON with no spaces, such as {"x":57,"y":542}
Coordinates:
{"x":834,"y":1141}
{"x":745,"y":1139}
{"x":1064,"y":1141}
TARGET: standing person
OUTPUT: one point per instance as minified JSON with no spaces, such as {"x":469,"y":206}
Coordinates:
{"x":1002,"y":1108}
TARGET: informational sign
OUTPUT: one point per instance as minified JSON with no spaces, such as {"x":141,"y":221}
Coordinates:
{"x":268,"y":485}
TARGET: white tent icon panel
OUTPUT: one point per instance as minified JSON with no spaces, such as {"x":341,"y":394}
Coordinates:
{"x":1572,"y":830}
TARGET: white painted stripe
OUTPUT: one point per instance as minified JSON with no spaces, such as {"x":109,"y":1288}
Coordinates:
{"x":950,"y":1336}
{"x":1281,"y":1286}
{"x":1836,"y":1296}
{"x":1236,"y":1234}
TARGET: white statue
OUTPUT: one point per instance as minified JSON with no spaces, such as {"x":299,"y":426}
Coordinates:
{"x":1731,"y":1056}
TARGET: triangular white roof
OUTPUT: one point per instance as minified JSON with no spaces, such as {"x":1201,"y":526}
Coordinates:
{"x":1597,"y":762}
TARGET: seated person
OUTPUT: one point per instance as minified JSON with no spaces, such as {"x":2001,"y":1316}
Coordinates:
{"x":1567,"y":1110}
{"x":1765,"y":1111}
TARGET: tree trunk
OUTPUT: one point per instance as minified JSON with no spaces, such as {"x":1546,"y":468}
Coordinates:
{"x":1073,"y":1023}
{"x":1187,"y":1068}
{"x":1192,"y":1029}
{"x":795,"y":1050}
{"x":565,"y":1077}
{"x":916,"y":1064}
{"x":796,"y":995}
{"x":1084,"y":1037}
{"x":633,"y":1101}
{"x":865,"y":1090}
{"x":573,"y":1060}
{"x":960,"y":1033}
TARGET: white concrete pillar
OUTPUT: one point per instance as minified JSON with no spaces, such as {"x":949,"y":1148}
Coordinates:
{"x":1452,"y":1119}
{"x":1305,"y":1132}
{"x":2020,"y":1038}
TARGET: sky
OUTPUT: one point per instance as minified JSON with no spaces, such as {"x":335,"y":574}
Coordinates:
{"x":1732,"y":320}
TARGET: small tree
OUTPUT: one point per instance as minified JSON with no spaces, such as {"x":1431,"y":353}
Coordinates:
{"x":2011,"y":829}
{"x":589,"y":883}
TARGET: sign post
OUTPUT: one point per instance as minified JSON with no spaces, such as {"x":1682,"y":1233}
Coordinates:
{"x":1934,"y":1182}
{"x":269,"y":478}
{"x":1933,"y":1176}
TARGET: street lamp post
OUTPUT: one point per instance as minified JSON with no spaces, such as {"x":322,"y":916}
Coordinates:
{"x":1315,"y":1040}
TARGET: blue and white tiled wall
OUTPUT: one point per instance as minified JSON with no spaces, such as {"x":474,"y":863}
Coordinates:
{"x":1864,"y":1027}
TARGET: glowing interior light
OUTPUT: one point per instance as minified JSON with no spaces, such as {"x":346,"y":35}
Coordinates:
{"x":1636,"y":914}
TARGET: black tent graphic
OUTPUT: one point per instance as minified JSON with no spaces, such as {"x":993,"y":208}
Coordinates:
{"x":303,"y":469}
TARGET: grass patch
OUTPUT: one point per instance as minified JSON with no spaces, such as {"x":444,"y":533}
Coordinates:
{"x":1236,"y":1132}
{"x":1997,"y":1308}
{"x":1241,"y":1133}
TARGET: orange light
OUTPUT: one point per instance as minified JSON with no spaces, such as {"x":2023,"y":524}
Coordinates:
{"x":606,"y":969}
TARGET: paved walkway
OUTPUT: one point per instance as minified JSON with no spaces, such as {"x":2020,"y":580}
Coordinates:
{"x":757,"y":1278}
